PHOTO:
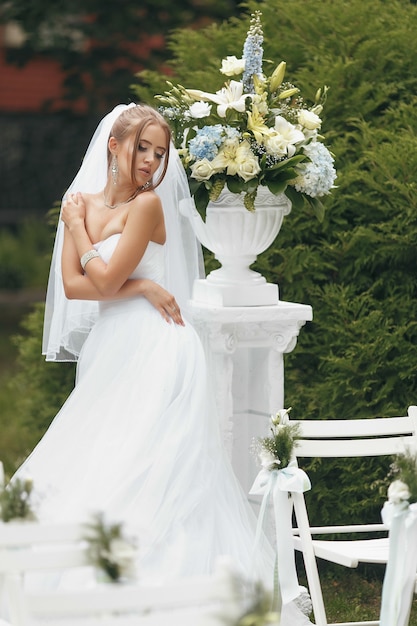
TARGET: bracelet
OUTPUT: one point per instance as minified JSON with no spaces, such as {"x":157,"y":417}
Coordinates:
{"x":87,"y":256}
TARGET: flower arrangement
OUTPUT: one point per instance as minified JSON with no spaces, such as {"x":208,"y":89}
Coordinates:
{"x":275,"y":452}
{"x":254,"y":131}
{"x":278,"y":478}
{"x":403,"y":489}
{"x":15,"y":499}
{"x":111,"y":552}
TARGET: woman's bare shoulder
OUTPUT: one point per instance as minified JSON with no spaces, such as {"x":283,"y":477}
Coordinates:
{"x":148,"y":201}
{"x":92,"y":198}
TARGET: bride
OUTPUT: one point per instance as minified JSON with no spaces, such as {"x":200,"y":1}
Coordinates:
{"x":138,"y":437}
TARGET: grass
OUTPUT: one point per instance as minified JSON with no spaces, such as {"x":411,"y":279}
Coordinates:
{"x":352,"y":595}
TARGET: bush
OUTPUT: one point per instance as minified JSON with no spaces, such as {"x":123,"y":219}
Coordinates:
{"x":38,"y":388}
{"x":24,"y":256}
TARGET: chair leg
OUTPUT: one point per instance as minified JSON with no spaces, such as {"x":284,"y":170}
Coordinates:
{"x":14,"y":585}
{"x":310,"y":561}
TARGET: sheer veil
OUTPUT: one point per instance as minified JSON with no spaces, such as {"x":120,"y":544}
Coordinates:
{"x":68,"y":322}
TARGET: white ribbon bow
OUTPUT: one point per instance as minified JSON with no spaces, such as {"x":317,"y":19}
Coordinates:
{"x":278,"y":484}
{"x":400,"y":574}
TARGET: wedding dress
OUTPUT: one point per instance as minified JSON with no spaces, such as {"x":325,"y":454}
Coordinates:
{"x":138,"y":439}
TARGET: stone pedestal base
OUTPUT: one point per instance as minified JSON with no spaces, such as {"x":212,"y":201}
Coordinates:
{"x":218,"y":294}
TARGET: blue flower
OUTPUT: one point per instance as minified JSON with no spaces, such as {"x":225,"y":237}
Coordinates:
{"x":253,"y":52}
{"x":206,"y":143}
{"x":318,"y":175}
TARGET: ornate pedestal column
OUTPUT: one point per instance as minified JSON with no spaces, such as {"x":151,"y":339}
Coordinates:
{"x":245,"y":349}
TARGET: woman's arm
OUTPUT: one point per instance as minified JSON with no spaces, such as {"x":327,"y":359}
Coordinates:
{"x":79,"y":285}
{"x":144,"y":217}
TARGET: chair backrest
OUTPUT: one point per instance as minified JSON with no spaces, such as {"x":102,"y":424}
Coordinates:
{"x":357,"y":437}
{"x":196,"y":601}
{"x":26,"y":546}
{"x":31,"y":546}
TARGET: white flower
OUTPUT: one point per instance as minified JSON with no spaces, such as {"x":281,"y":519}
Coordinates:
{"x":1,"y":476}
{"x":196,"y":94}
{"x":122,"y":550}
{"x":267,"y":459}
{"x":259,"y":100}
{"x":123,"y":554}
{"x":231,"y":96}
{"x":288,"y":134}
{"x":276,"y":145}
{"x":248,"y":164}
{"x":308,"y":119}
{"x":249,"y":169}
{"x":398,"y":492}
{"x":232,"y":66}
{"x":199,"y":110}
{"x":281,"y":418}
{"x":202,"y":170}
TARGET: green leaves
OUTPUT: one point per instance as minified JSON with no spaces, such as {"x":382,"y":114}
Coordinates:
{"x":15,"y":501}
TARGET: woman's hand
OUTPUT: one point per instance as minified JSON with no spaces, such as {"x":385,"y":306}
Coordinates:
{"x":73,"y":210}
{"x":163,"y":301}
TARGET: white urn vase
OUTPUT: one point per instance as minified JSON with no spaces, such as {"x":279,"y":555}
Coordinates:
{"x":236,"y":236}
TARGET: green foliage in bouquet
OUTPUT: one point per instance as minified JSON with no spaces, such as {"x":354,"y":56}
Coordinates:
{"x":110,"y":550}
{"x":276,"y":451}
{"x":15,"y":500}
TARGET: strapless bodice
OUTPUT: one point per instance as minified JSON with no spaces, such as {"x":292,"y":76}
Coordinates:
{"x":151,"y":264}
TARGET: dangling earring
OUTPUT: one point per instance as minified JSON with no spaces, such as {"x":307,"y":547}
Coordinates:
{"x":114,"y":169}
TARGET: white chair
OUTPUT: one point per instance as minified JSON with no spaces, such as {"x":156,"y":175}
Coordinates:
{"x":31,"y":546}
{"x":346,"y":438}
{"x":197,"y":601}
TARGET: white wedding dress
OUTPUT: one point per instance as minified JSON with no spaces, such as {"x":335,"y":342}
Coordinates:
{"x":138,"y":439}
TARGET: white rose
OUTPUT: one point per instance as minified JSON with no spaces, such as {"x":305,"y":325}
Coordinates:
{"x":247,"y":164}
{"x":276,"y":145}
{"x":308,"y":119}
{"x":231,"y":66}
{"x":249,"y":169}
{"x":200,"y":109}
{"x":398,"y":492}
{"x":202,"y":170}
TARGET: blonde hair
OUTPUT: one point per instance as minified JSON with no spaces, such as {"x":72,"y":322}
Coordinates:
{"x":135,"y":120}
